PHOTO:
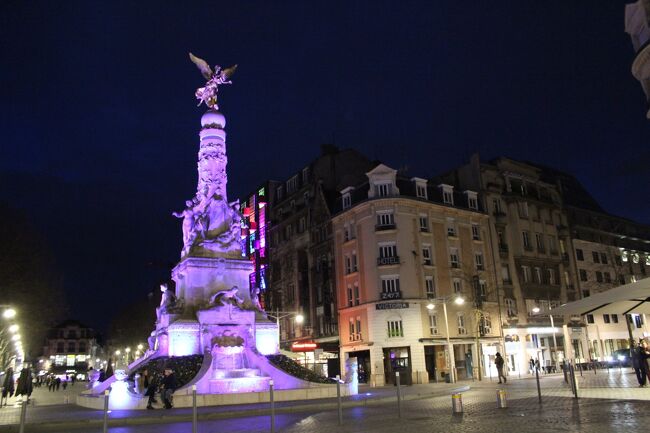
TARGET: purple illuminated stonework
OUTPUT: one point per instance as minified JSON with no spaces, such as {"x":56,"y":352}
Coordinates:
{"x":215,"y":309}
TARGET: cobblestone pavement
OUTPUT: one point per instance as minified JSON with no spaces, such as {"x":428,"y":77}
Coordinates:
{"x":609,"y":401}
{"x":562,"y":414}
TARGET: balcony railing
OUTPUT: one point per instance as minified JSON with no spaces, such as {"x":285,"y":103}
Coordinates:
{"x":390,"y":295}
{"x":384,"y":261}
{"x":503,"y":248}
{"x":382,"y":227}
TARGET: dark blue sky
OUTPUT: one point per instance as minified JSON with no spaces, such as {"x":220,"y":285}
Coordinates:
{"x":99,"y":126}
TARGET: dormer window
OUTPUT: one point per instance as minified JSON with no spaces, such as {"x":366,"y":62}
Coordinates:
{"x":420,"y":187}
{"x":383,"y":189}
{"x":382,"y":182}
{"x":447,"y":194}
{"x":346,"y":197}
{"x":292,"y":184}
{"x":472,"y":200}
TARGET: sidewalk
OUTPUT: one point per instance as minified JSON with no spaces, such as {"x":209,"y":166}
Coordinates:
{"x":70,"y":416}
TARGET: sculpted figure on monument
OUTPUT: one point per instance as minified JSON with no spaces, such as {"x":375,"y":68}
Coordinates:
{"x":255,"y":298}
{"x":208,"y":94}
{"x":167,"y":301}
{"x":230,"y":296}
{"x":190,"y":218}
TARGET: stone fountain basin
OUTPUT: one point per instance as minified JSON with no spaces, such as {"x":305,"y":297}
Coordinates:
{"x":236,"y":373}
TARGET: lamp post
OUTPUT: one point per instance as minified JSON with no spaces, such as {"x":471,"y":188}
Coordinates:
{"x":9,"y":313}
{"x":299,"y":318}
{"x":458,"y":300}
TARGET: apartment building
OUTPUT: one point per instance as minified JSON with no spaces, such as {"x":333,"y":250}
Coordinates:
{"x":406,"y":252}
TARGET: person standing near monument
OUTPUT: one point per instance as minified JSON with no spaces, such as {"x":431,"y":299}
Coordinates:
{"x":168,"y":387}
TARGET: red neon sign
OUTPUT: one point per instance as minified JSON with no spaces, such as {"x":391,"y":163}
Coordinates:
{"x":303,"y":347}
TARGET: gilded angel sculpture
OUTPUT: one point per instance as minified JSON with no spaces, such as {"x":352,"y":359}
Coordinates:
{"x":208,"y":94}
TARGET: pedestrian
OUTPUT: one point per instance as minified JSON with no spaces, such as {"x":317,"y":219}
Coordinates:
{"x":150,"y":383}
{"x":24,"y":386}
{"x":57,"y":383}
{"x":499,"y":362}
{"x":73,"y":378}
{"x":168,"y":388}
{"x":644,"y":360}
{"x":102,"y":375}
{"x":635,"y":356}
{"x":8,"y":386}
{"x":531,"y":365}
{"x":64,"y":384}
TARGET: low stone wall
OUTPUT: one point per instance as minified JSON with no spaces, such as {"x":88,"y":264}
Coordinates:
{"x":184,"y":399}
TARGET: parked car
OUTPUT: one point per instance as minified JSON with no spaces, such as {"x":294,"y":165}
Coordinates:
{"x":619,"y":358}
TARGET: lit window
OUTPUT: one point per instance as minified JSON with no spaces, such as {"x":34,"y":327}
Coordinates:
{"x":395,"y":329}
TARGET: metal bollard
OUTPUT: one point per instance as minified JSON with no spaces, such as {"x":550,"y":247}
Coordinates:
{"x":539,"y":389}
{"x":194,"y":413}
{"x":457,"y":403}
{"x":574,"y":382}
{"x":564,"y":367}
{"x":23,"y":415}
{"x":106,"y":393}
{"x":502,"y":402}
{"x":399,"y":395}
{"x":338,"y":398}
{"x":272,"y":406}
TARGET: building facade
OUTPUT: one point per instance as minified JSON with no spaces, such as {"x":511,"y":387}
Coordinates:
{"x":404,"y":251}
{"x":300,"y":255}
{"x":532,"y":250}
{"x":609,"y":251}
{"x":70,"y":348}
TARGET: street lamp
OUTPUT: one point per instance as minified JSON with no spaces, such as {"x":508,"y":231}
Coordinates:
{"x":13,"y":328}
{"x":458,"y":300}
{"x":9,"y":313}
{"x":299,"y":318}
{"x":140,"y":347}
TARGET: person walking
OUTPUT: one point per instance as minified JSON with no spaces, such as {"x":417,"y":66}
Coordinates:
{"x":168,"y":388}
{"x":644,"y":360}
{"x":57,"y":383}
{"x":24,"y":386}
{"x":499,"y":362}
{"x":7,"y":386}
{"x":635,"y":357}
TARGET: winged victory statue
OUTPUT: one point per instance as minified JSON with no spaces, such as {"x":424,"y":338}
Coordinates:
{"x":208,"y":94}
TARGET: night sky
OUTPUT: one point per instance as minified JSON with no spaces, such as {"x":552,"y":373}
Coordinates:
{"x":99,"y":125}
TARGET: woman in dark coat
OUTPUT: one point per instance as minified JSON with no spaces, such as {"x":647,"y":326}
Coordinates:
{"x":24,"y":386}
{"x":8,"y":386}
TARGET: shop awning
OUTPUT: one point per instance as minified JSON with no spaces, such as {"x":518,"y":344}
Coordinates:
{"x":626,"y":299}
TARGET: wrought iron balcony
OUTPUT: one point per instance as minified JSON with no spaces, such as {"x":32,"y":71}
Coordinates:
{"x":385,"y":261}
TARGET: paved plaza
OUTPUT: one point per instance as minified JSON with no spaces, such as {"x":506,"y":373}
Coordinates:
{"x":608,"y":401}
